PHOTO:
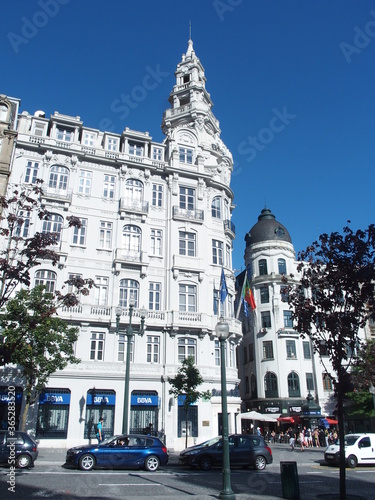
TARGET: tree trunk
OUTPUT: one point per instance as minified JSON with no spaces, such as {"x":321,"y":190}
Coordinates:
{"x":24,"y":416}
{"x":340,"y":415}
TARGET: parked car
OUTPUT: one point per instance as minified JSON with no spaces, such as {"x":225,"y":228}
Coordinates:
{"x":359,"y":449}
{"x":17,"y":449}
{"x":246,"y":450}
{"x":120,"y":452}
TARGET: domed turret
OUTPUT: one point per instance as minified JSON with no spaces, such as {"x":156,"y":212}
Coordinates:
{"x":267,"y":228}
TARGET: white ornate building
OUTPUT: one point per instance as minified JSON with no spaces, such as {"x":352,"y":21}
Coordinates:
{"x":278,"y":369}
{"x":156,"y":229}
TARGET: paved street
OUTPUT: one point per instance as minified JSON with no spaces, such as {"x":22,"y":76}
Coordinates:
{"x":51,"y":479}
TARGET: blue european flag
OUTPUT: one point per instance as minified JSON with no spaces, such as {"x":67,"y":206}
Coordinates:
{"x":223,"y":287}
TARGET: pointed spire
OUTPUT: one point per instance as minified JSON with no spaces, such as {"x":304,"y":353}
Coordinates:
{"x":190,"y":50}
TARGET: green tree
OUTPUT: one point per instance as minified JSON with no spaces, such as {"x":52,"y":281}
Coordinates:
{"x":21,"y":249}
{"x":185,"y":384}
{"x":362,"y":379}
{"x":40,"y":341}
{"x":332,"y":301}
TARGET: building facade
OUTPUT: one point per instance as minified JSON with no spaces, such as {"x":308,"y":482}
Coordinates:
{"x":155,"y":233}
{"x":8,"y":125}
{"x":278,"y":369}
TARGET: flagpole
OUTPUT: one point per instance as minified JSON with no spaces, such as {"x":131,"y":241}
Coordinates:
{"x":240,"y":303}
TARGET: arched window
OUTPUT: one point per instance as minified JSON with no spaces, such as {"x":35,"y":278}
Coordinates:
{"x":53,"y":225}
{"x":294,"y":389}
{"x":46,"y":278}
{"x":216,"y":207}
{"x":270,"y":385}
{"x":58,"y":178}
{"x":263,"y":267}
{"x":133,"y":191}
{"x":129,"y":293}
{"x":131,"y":239}
{"x":282,"y":266}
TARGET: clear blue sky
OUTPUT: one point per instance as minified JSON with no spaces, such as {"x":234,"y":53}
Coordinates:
{"x":312,"y":62}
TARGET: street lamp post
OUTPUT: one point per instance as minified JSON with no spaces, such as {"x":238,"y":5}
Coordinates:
{"x":222,"y":332}
{"x":129,"y":332}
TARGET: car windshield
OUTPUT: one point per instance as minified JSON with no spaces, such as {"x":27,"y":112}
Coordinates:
{"x":212,"y":441}
{"x":350,"y":440}
{"x":108,"y":440}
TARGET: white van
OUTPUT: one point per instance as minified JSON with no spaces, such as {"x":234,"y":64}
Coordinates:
{"x":359,"y":449}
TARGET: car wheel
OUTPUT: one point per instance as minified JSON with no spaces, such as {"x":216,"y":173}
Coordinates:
{"x":260,"y":463}
{"x":23,"y":461}
{"x":352,"y":461}
{"x":205,"y":463}
{"x":152,"y":463}
{"x":86,"y":462}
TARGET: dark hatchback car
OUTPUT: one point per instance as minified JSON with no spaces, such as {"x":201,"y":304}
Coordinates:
{"x":245,"y":450}
{"x":120,"y":452}
{"x":19,"y":450}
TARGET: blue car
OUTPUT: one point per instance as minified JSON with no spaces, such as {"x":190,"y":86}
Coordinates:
{"x":130,"y":451}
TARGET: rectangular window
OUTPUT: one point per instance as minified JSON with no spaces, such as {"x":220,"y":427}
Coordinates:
{"x":309,"y":381}
{"x":306,"y":350}
{"x":288,"y":321}
{"x":227,"y":256}
{"x":71,"y":276}
{"x":187,"y":198}
{"x":186,"y":347}
{"x":31,"y":173}
{"x":135,"y":149}
{"x":153,"y":349}
{"x":291,"y":352}
{"x":156,"y":242}
{"x":186,"y":243}
{"x":79,"y":233}
{"x":217,"y":353}
{"x":264,"y":295}
{"x":157,"y":195}
{"x":84,"y":182}
{"x":157,"y":154}
{"x":105,"y":235}
{"x":247,"y":385}
{"x":97,"y":346}
{"x":64,"y":135}
{"x":266,"y":319}
{"x":251,"y":352}
{"x":23,"y":224}
{"x":262,"y":267}
{"x":186,"y":155}
{"x":101,"y":290}
{"x":122,"y":345}
{"x":154,"y":296}
{"x":109,"y":187}
{"x":39,"y":129}
{"x":282,"y":266}
{"x":327,"y":382}
{"x":89,"y":139}
{"x":112,"y":144}
{"x":267,"y":349}
{"x":217,"y":252}
{"x":187,"y":298}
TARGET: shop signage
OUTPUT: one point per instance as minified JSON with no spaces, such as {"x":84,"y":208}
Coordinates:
{"x":144,"y":400}
{"x":50,"y":398}
{"x":101,"y":399}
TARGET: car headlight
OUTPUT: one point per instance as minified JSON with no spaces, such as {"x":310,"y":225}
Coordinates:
{"x":194,"y":452}
{"x":75,"y":452}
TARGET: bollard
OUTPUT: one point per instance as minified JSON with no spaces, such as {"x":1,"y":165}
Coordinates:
{"x":289,"y":480}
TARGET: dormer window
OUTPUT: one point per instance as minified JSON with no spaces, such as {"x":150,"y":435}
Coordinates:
{"x":64,"y":134}
{"x":39,"y":129}
{"x":3,"y":112}
{"x":135,"y":149}
{"x":186,"y":156}
{"x":112,"y":144}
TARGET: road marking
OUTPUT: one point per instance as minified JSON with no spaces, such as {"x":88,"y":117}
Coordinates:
{"x":131,"y":484}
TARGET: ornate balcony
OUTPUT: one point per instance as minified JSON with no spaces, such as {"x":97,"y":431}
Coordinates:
{"x":133,"y":207}
{"x":191,"y":215}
